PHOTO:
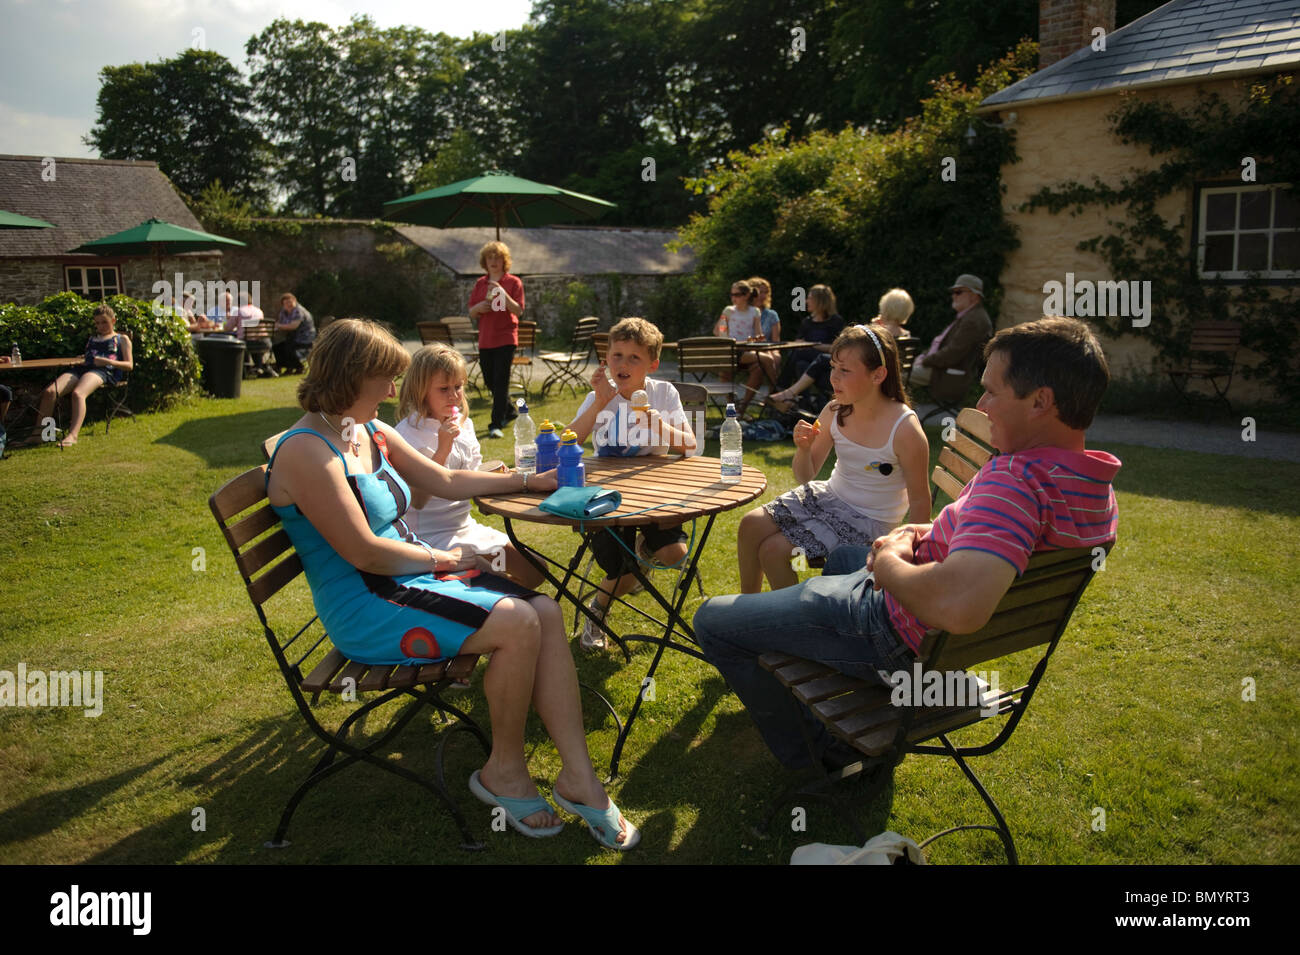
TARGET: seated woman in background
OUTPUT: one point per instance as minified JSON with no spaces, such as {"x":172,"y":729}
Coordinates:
{"x":108,"y":358}
{"x":896,"y":308}
{"x":340,"y":492}
{"x":820,"y":327}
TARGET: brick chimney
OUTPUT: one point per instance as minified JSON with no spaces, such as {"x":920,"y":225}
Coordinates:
{"x":1066,"y":25}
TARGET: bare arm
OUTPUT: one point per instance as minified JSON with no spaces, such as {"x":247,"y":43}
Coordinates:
{"x":603,"y":393}
{"x":913,"y":452}
{"x":812,"y":445}
{"x":422,"y":474}
{"x":310,"y":476}
{"x":958,"y":594}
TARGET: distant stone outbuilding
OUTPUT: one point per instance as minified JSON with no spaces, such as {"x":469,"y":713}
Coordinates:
{"x":87,"y":199}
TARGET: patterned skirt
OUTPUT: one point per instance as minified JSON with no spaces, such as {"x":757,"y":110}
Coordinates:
{"x":815,"y":519}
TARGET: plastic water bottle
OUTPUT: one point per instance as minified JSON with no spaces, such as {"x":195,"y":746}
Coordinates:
{"x":729,"y":438}
{"x":525,"y":441}
{"x":15,"y":356}
{"x":548,"y":448}
{"x":572,"y":472}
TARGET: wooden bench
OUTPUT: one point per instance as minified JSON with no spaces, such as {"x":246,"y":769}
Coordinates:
{"x":1031,"y":617}
{"x":1212,"y":357}
{"x":312,"y":666}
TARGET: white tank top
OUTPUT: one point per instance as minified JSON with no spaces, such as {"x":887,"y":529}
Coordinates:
{"x":857,"y":480}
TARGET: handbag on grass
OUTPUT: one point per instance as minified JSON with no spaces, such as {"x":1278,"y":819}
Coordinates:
{"x":582,"y":503}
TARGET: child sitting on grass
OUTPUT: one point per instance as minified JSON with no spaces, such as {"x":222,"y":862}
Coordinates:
{"x":433,"y":419}
{"x":633,"y":354}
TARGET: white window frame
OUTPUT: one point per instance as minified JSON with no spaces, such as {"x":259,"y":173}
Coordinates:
{"x":1202,"y":232}
{"x":84,"y":290}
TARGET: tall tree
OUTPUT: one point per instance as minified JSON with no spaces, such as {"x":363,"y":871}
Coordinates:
{"x":299,"y":92}
{"x":190,"y":114}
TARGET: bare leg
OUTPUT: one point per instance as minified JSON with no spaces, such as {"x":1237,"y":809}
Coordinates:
{"x":774,"y":554}
{"x":86,"y":385}
{"x":512,"y":634}
{"x":798,"y":388}
{"x":756,"y":528}
{"x":518,"y":568}
{"x":555,"y":697}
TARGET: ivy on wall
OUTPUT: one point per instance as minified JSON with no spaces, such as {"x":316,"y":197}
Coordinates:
{"x":1206,"y":143}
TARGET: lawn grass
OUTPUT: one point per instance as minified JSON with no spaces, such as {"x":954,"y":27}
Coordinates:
{"x":1140,"y":715}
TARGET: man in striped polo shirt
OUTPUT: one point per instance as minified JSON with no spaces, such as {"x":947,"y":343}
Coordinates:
{"x":1042,"y":491}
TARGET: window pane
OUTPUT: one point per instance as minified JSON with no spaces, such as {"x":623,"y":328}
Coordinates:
{"x":1287,"y":213}
{"x":1255,"y":208}
{"x":74,"y":279}
{"x":1286,"y":251}
{"x":1218,"y":253}
{"x":1252,"y":252}
{"x":1221,"y":211}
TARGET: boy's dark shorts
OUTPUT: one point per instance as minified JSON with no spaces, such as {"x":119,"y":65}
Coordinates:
{"x":616,"y":560}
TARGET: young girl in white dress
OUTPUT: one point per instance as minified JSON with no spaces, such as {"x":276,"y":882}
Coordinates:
{"x":433,"y":419}
{"x":882,"y":460}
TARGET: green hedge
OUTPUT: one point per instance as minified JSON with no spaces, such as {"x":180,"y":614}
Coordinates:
{"x":166,"y":367}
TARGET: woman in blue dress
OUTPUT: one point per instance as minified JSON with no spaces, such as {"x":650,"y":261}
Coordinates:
{"x":340,"y":480}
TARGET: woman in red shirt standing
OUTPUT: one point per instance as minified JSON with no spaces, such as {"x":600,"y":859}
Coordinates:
{"x":497,"y":301}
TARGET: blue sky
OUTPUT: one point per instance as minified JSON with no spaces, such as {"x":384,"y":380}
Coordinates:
{"x":51,"y":51}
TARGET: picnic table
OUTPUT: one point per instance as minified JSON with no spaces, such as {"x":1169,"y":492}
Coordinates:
{"x":654,"y":489}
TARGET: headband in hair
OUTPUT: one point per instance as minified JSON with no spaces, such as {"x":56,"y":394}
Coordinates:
{"x":875,"y":341}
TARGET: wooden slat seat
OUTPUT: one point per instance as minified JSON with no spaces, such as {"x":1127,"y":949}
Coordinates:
{"x":1031,"y":617}
{"x":267,"y":564}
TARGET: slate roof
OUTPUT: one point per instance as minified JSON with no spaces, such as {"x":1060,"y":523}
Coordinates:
{"x":88,"y":199}
{"x":559,"y":250}
{"x":1181,"y":41}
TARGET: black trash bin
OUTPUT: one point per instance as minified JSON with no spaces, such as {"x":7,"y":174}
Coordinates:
{"x":223,"y":365}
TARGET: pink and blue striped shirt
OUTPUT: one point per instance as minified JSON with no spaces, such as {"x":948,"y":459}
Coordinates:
{"x":1041,"y":499}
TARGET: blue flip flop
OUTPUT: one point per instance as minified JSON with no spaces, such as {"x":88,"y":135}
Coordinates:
{"x":603,"y":824}
{"x":516,"y":809}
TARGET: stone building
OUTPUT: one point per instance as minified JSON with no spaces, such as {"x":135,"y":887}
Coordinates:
{"x":1059,"y":114}
{"x":88,"y":199}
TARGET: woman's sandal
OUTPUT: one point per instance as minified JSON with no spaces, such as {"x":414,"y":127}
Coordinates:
{"x":604,"y":824}
{"x":516,"y":810}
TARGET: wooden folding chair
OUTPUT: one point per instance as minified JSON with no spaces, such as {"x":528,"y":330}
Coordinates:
{"x":1212,"y":357}
{"x":435,"y":333}
{"x":964,"y":452}
{"x":600,"y":342}
{"x":1031,"y":617}
{"x":706,"y":356}
{"x":565,"y":368}
{"x":267,"y":564}
{"x":464,"y":338}
{"x":114,"y":395}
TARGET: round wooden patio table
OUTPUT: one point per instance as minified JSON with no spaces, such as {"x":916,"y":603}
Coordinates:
{"x":654,"y":489}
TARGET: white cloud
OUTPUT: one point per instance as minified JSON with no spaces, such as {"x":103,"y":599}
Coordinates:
{"x":37,"y":134}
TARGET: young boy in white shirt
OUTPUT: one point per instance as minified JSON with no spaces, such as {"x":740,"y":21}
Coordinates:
{"x":633,"y":354}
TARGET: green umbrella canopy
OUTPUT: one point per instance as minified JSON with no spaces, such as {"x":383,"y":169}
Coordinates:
{"x":155,"y":237}
{"x":496,"y":200}
{"x":12,"y":220}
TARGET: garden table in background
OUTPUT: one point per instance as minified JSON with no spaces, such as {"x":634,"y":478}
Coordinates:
{"x":654,"y":489}
{"x":23,"y":399}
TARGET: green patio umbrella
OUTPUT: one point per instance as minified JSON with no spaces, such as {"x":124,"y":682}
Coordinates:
{"x":498,"y":200}
{"x":12,"y":220}
{"x":156,"y":237}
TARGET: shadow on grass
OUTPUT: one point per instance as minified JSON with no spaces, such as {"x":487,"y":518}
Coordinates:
{"x":233,"y":440}
{"x":1252,"y":484}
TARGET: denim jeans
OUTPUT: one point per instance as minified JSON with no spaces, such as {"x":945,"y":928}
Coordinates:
{"x":837,"y":620}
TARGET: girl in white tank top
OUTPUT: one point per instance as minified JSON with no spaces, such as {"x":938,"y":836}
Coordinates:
{"x":881,"y":464}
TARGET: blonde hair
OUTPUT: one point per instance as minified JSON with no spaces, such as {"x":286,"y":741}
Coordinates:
{"x":346,"y":353}
{"x":429,"y":362}
{"x":639,"y":332}
{"x":498,"y":247}
{"x":763,"y":290}
{"x":895,"y":306}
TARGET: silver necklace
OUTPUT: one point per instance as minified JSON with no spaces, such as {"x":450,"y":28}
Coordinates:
{"x":354,"y":444}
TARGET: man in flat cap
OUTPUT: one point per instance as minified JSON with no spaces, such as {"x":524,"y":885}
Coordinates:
{"x":953,"y":359}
